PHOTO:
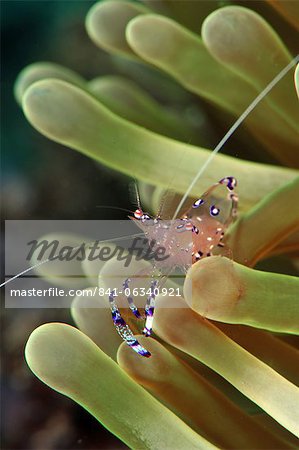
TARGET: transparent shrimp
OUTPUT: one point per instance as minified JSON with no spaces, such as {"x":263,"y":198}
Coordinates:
{"x":202,"y":227}
{"x":187,"y":240}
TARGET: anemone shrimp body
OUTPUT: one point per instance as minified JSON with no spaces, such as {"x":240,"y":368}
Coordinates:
{"x":173,"y":237}
{"x":186,"y":241}
{"x":197,"y":232}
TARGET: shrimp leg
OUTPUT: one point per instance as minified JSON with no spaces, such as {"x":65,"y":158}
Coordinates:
{"x":124,"y":330}
{"x":132,"y":305}
{"x":150,"y":309}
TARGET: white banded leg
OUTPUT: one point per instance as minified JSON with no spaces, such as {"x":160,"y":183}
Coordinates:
{"x":132,"y":305}
{"x":124,"y":330}
{"x":150,"y":309}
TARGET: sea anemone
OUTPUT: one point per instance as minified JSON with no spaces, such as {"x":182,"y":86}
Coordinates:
{"x":223,"y":370}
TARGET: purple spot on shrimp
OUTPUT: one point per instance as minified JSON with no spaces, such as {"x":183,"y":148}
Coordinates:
{"x":117,"y":319}
{"x":198,"y":255}
{"x":139,"y":349}
{"x":230,"y":182}
{"x":149,"y":311}
{"x":214,"y":211}
{"x":146,"y":332}
{"x":198,"y":203}
{"x":145,"y":217}
{"x":145,"y":353}
{"x":136,"y":313}
{"x":120,"y":322}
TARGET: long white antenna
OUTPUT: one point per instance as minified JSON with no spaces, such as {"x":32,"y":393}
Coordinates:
{"x":58,"y":254}
{"x":233,"y":128}
{"x":137,"y":194}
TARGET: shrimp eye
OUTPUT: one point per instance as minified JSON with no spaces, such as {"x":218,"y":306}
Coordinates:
{"x":198,"y":203}
{"x":138,"y":214}
{"x":214,"y":211}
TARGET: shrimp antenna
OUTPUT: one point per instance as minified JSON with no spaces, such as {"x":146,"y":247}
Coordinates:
{"x":118,"y":208}
{"x":35,"y":266}
{"x":162,"y":203}
{"x":234,"y":127}
{"x":137,"y":194}
{"x":134,"y":193}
